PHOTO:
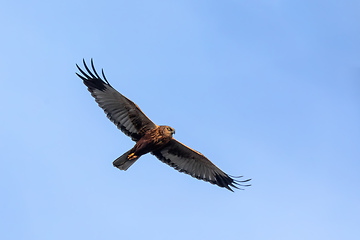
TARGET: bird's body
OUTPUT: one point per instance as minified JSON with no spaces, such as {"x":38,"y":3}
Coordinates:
{"x":150,"y":137}
{"x":153,"y":140}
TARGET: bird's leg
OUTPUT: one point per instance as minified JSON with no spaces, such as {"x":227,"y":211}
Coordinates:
{"x":131,"y":156}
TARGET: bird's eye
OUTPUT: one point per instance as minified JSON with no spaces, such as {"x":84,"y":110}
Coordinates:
{"x":169,"y":129}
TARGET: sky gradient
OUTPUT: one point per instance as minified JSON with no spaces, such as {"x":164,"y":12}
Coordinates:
{"x":265,"y":89}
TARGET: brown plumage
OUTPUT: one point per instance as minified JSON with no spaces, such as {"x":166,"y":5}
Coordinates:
{"x":150,"y":137}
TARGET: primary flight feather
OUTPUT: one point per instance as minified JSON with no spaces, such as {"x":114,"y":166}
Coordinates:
{"x":150,"y":137}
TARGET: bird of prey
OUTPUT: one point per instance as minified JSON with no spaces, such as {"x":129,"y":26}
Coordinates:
{"x":150,"y":137}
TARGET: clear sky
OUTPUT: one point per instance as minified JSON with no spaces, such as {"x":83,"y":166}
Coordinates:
{"x":265,"y":89}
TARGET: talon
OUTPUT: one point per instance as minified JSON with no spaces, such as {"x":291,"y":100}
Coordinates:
{"x":131,"y":156}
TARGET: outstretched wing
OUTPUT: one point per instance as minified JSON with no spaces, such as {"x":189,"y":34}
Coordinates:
{"x":126,"y":115}
{"x":187,"y":160}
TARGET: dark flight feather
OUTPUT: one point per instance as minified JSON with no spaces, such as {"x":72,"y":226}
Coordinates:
{"x":189,"y":161}
{"x":125,"y":114}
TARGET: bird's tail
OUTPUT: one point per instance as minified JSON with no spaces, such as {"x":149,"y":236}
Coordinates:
{"x":123,"y":162}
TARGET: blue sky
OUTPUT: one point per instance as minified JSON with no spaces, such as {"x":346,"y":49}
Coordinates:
{"x":265,"y":89}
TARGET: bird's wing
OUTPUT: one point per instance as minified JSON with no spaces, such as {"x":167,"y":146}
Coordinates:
{"x":187,"y":160}
{"x":125,"y":114}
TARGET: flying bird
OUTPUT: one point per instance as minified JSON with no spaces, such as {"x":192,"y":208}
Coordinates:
{"x":149,"y":137}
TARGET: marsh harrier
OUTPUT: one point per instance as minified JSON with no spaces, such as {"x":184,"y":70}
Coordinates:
{"x":150,"y":137}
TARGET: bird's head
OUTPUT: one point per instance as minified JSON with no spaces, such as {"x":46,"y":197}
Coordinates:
{"x":168,"y":131}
